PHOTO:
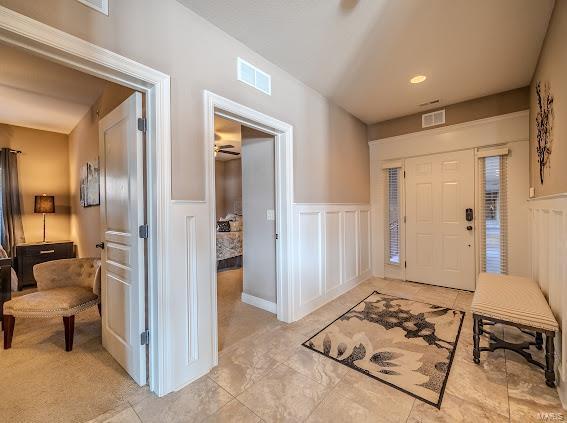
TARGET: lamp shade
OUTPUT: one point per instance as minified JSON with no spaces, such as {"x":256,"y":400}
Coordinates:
{"x":44,"y":204}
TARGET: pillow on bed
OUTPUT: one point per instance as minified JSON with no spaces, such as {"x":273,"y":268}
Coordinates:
{"x":223,"y":226}
{"x":235,"y":226}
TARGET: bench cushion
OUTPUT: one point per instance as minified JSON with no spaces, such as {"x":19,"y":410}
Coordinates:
{"x":513,"y":299}
{"x":66,"y":301}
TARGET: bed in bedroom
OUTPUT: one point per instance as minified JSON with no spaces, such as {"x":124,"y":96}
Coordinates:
{"x":229,"y":245}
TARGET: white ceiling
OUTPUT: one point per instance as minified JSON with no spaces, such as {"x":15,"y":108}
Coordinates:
{"x":40,"y":94}
{"x":228,"y":132}
{"x":362,"y":53}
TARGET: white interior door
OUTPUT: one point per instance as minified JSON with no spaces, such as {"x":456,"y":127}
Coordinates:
{"x":121,"y":149}
{"x":439,"y":247}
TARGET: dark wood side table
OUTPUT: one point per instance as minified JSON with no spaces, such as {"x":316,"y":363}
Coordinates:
{"x":5,"y":282}
{"x":28,"y":255}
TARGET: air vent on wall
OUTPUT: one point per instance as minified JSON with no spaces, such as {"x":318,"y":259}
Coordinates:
{"x":433,"y":119}
{"x":254,"y":77}
{"x":98,"y":5}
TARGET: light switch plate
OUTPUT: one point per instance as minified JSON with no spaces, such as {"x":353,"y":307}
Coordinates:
{"x":270,"y":214}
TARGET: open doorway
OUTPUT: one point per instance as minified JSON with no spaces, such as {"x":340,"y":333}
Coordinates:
{"x":74,"y":156}
{"x":245,"y":230}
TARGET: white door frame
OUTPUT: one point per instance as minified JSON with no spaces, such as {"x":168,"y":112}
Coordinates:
{"x":283,"y":134}
{"x":40,"y":39}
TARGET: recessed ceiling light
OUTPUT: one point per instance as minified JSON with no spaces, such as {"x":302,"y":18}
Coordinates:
{"x":417,"y":79}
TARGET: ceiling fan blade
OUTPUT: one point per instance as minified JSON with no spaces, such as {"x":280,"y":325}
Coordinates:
{"x":229,"y":152}
{"x":226,"y":146}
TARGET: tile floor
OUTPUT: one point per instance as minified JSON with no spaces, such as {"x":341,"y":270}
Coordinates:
{"x":269,"y":377}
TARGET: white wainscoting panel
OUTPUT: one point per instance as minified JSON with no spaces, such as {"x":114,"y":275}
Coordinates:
{"x":332,"y":252}
{"x":548,"y":251}
{"x":190,"y":294}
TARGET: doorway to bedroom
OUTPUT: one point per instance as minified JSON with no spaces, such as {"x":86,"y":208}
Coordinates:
{"x":245,"y":208}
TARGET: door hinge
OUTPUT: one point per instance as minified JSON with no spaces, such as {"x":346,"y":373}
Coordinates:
{"x":142,"y":125}
{"x":405,"y":263}
{"x":145,"y":337}
{"x":404,"y":174}
{"x":277,"y":236}
{"x":144,"y":231}
{"x":404,"y":219}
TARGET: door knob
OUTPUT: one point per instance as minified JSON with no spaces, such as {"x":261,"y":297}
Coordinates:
{"x":100,"y":245}
{"x":469,"y":228}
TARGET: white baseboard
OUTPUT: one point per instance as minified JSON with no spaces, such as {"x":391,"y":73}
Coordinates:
{"x":331,"y":295}
{"x":259,"y":302}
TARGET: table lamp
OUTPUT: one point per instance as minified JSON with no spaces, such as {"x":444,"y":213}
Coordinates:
{"x":44,"y":204}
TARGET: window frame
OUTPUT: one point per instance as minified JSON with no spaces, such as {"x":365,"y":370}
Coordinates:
{"x":503,"y":210}
{"x":394,"y":270}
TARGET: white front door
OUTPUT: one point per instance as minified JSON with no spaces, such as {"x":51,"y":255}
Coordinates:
{"x":121,"y":149}
{"x":439,"y":239}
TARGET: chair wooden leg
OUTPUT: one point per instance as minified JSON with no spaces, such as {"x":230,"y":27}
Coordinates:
{"x":9,"y":323}
{"x":69,"y":323}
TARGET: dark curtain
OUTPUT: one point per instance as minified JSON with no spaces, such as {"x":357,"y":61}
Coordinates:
{"x":12,"y":228}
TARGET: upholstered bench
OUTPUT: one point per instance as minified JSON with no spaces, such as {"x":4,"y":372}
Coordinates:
{"x":517,"y":302}
{"x":65,"y":288}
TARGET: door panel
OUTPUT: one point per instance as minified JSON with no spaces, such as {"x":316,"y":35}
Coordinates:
{"x":122,"y":212}
{"x":440,"y":249}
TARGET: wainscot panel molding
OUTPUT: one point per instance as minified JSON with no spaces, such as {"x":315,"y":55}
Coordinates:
{"x":332,"y":252}
{"x":189,"y":262}
{"x":548,"y":251}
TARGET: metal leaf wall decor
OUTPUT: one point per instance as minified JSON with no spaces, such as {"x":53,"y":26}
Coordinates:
{"x":544,"y":126}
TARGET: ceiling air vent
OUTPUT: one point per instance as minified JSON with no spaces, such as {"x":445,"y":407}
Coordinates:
{"x":433,"y":119}
{"x":98,"y":5}
{"x":254,"y":77}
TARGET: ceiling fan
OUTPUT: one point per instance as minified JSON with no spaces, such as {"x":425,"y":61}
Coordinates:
{"x":222,"y":149}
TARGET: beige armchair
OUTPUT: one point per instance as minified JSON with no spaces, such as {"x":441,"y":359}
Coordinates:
{"x":64,"y":289}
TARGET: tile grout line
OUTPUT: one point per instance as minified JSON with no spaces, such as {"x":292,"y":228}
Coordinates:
{"x":411,"y":410}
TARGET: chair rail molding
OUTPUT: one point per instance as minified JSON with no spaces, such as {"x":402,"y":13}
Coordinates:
{"x":548,"y":249}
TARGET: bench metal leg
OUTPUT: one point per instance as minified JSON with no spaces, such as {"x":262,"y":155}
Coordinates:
{"x":539,"y":340}
{"x":476,"y":338}
{"x":550,"y":359}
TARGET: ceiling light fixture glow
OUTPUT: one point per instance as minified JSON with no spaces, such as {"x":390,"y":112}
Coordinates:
{"x":418,"y":79}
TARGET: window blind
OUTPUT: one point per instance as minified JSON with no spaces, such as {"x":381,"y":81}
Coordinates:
{"x":392,"y":215}
{"x":494,"y":214}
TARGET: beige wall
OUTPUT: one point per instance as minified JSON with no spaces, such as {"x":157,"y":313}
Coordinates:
{"x":43,"y":168}
{"x":552,"y":68}
{"x":228,"y":185}
{"x":219,"y":188}
{"x":232,"y":184}
{"x":480,"y":108}
{"x":330,"y":149}
{"x":83,"y":147}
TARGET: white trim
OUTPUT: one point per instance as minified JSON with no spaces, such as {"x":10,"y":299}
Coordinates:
{"x":259,"y":302}
{"x":392,"y":164}
{"x":452,"y":128}
{"x":549,"y":197}
{"x":31,"y":35}
{"x":490,"y":152}
{"x":283,"y":133}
